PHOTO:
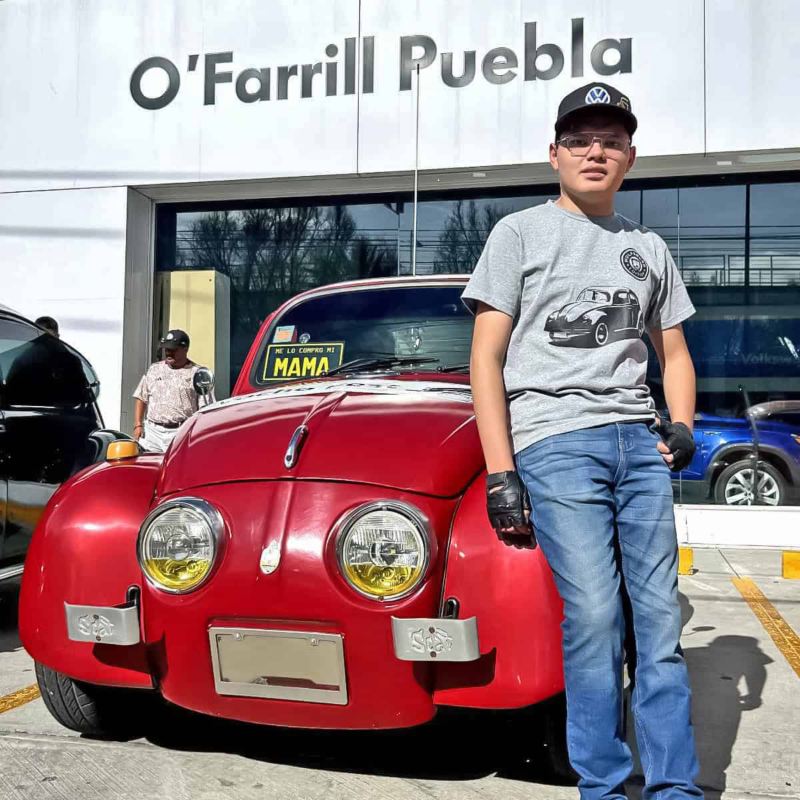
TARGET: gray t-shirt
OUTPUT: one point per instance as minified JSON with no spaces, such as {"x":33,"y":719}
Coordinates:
{"x":581,"y":291}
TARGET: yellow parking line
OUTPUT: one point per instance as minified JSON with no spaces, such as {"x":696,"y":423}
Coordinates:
{"x":775,"y":625}
{"x":19,"y":698}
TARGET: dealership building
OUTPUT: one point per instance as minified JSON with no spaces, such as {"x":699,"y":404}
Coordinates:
{"x":180,"y":163}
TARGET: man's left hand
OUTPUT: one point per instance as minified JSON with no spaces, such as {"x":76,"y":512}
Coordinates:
{"x":677,"y":444}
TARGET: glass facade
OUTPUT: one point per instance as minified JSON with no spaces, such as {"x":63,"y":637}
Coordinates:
{"x":736,"y":241}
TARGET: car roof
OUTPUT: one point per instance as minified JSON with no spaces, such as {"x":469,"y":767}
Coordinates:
{"x":394,"y":280}
{"x":9,"y":312}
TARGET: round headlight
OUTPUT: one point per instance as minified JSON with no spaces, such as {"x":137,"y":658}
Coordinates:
{"x":383,"y":550}
{"x":178,"y":544}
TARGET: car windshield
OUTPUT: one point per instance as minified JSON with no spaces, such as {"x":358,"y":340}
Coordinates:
{"x":595,"y":295}
{"x":322,"y":333}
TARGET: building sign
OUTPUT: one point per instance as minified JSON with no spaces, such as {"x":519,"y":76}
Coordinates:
{"x":171,"y":91}
{"x":539,"y":60}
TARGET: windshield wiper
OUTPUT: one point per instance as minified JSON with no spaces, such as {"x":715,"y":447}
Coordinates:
{"x":367,"y":364}
{"x":454,"y":368}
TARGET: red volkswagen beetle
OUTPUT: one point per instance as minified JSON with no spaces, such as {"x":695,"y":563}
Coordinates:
{"x":313,"y":552}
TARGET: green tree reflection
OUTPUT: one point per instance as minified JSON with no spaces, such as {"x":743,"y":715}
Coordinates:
{"x":272,"y":254}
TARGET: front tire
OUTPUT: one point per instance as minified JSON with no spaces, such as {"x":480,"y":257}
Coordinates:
{"x":86,"y":708}
{"x":733,"y":487}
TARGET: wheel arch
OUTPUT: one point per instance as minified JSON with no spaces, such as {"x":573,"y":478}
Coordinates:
{"x":597,"y":315}
{"x":730,"y":454}
{"x":83,"y":552}
{"x":513,"y":595}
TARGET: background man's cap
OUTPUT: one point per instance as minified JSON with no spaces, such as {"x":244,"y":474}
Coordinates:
{"x":598,"y":96}
{"x":175,"y":338}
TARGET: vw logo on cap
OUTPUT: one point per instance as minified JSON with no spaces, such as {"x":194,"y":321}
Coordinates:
{"x":597,"y":94}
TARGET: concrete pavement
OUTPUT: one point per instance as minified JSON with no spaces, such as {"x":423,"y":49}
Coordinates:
{"x":746,"y":712}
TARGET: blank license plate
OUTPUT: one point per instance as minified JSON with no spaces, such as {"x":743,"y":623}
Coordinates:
{"x":282,"y":665}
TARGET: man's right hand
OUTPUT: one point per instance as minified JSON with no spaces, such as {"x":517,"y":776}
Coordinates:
{"x":138,"y":431}
{"x":509,"y":507}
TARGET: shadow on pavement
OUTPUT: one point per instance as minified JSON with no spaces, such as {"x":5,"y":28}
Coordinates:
{"x":459,"y":744}
{"x":728,"y":677}
{"x":718,"y":703}
{"x":716,"y":671}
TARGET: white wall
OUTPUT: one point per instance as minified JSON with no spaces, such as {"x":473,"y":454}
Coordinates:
{"x":485,"y":123}
{"x":737,"y":526}
{"x":70,"y":120}
{"x":753,"y":64}
{"x":62,"y":253}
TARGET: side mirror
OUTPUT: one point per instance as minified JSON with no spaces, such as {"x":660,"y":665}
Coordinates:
{"x":203,"y":382}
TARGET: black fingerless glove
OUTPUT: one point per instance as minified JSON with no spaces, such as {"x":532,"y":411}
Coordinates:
{"x":506,"y":504}
{"x":679,"y":439}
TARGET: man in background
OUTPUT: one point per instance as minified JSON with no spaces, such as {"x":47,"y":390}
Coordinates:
{"x":48,"y":324}
{"x":47,"y":371}
{"x":165,"y":396}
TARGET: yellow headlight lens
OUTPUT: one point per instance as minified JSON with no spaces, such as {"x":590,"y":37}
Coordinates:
{"x":179,"y":575}
{"x":383,"y":553}
{"x":178,"y":545}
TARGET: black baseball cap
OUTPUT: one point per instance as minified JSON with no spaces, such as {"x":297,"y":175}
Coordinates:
{"x":599,"y":97}
{"x":175,"y":338}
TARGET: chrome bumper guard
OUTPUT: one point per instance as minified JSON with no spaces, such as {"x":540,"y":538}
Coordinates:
{"x":103,"y":624}
{"x":435,"y":639}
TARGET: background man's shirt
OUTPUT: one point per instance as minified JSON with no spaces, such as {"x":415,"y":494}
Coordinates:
{"x":581,"y":291}
{"x":169,"y":393}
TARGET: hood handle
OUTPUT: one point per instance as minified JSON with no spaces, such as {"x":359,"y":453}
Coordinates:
{"x":295,"y":443}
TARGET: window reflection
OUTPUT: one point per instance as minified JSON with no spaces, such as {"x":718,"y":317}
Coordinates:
{"x":744,"y":279}
{"x":775,"y":236}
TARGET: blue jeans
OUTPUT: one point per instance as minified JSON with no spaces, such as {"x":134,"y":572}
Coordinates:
{"x":602,"y":502}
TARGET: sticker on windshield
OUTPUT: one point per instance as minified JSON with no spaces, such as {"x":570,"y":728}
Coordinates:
{"x":285,"y":333}
{"x":285,"y":361}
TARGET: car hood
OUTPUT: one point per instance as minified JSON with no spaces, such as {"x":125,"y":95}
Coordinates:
{"x":416,"y":435}
{"x":574,"y":310}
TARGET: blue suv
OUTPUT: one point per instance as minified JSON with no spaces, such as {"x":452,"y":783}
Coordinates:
{"x":722,"y":468}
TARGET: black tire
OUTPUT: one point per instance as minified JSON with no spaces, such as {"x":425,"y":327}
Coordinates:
{"x":601,"y":334}
{"x":732,"y":487}
{"x":94,"y":710}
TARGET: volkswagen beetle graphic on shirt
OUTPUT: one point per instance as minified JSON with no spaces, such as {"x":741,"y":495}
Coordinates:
{"x":599,"y":314}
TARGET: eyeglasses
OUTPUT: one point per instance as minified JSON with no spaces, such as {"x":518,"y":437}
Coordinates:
{"x":579,"y":144}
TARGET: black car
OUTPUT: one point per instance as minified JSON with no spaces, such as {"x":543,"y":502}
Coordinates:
{"x":50,"y":428}
{"x":599,"y":314}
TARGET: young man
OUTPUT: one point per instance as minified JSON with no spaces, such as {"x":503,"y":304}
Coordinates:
{"x":165,"y":396}
{"x":562,"y":295}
